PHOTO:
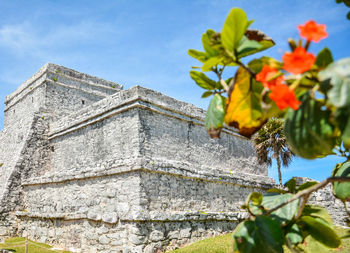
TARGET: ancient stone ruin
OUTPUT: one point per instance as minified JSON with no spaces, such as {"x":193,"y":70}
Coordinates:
{"x":89,"y":166}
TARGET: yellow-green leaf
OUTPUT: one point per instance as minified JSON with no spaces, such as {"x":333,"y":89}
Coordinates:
{"x":211,"y":62}
{"x":320,"y":231}
{"x":244,"y":109}
{"x":202,"y":80}
{"x":318,"y":212}
{"x":207,"y":94}
{"x":207,"y":45}
{"x":200,"y":56}
{"x":233,"y":30}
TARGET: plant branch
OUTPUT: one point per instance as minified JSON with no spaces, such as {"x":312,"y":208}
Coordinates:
{"x":346,"y":208}
{"x":342,"y":152}
{"x":302,"y":205}
{"x":222,"y":81}
{"x":290,"y":247}
{"x":307,"y":44}
{"x":251,"y":72}
{"x":307,"y":192}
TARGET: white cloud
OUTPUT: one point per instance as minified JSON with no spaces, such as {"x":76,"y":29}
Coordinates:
{"x":30,"y":39}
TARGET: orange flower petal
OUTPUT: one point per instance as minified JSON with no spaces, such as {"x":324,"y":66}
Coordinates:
{"x":298,"y":61}
{"x":284,"y":97}
{"x":265,"y":77}
{"x":312,"y":31}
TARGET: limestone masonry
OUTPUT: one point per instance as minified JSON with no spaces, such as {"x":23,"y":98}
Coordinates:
{"x":89,"y":166}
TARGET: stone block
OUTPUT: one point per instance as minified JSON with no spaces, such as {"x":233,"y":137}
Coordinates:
{"x":103,"y":239}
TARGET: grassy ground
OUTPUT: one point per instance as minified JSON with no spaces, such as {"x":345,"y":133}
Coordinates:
{"x":219,"y":244}
{"x":223,"y":244}
{"x":17,"y":245}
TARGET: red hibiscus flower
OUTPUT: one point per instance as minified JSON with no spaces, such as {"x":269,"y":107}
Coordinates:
{"x":284,"y":97}
{"x":265,"y":76}
{"x":298,"y":61}
{"x":312,"y":31}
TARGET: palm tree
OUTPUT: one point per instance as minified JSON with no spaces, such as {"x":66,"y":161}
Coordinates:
{"x":270,"y":143}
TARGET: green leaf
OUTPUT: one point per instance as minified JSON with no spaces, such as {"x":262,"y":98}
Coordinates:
{"x":247,"y":47}
{"x":294,"y":234}
{"x":308,"y":130}
{"x":211,"y":62}
{"x":285,"y":213}
{"x":311,"y":245}
{"x":252,"y":42}
{"x":346,"y":234}
{"x":202,"y":80}
{"x":276,"y":190}
{"x":318,"y":212}
{"x":200,"y":56}
{"x":257,"y":64}
{"x":233,"y":30}
{"x":342,"y":116}
{"x":206,"y":37}
{"x":342,"y":190}
{"x":243,"y":237}
{"x":320,"y":231}
{"x":291,"y":185}
{"x":215,"y":115}
{"x":270,"y":233}
{"x":207,"y":94}
{"x":324,"y":58}
{"x":263,"y":235}
{"x":255,"y":197}
{"x":306,"y":185}
{"x":339,"y":74}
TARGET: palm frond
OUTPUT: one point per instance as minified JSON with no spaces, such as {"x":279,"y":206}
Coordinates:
{"x":270,"y":143}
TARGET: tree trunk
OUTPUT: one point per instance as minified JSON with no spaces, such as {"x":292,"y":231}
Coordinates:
{"x":279,"y":169}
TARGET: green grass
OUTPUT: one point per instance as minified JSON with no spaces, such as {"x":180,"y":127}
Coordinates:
{"x":223,"y":244}
{"x":17,"y":245}
{"x":218,"y":244}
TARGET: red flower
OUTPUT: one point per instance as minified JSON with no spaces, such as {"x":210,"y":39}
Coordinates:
{"x":284,"y":97}
{"x":312,"y":31}
{"x":265,"y":77}
{"x":298,"y":61}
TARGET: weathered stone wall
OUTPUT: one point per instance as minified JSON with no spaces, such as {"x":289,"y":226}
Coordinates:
{"x":161,"y":128}
{"x":141,"y":209}
{"x":94,"y":197}
{"x":103,"y":170}
{"x":92,"y":236}
{"x":32,"y":101}
{"x":32,"y":155}
{"x":164,"y":193}
{"x":188,"y":142}
{"x":17,"y":125}
{"x":99,"y":145}
{"x":135,"y":158}
{"x":325,"y":198}
{"x":38,"y":96}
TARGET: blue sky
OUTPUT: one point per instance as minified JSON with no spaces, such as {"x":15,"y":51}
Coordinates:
{"x":145,"y":42}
